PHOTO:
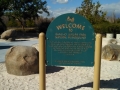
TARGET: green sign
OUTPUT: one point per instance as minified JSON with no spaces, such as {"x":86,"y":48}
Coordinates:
{"x":70,"y":41}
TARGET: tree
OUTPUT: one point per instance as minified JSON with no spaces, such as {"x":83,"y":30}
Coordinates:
{"x":91,"y":11}
{"x":12,"y":23}
{"x":118,"y":20}
{"x":3,"y":7}
{"x":22,"y":10}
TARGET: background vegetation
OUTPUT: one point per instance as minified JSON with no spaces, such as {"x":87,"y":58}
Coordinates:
{"x":25,"y":16}
{"x":21,"y":12}
{"x":101,"y":23}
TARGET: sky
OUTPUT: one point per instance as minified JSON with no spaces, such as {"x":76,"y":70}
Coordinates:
{"x":58,"y":7}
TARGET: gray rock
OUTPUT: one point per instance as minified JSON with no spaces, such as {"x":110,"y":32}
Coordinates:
{"x":22,"y":60}
{"x":112,"y":41}
{"x":8,"y":34}
{"x":111,"y":52}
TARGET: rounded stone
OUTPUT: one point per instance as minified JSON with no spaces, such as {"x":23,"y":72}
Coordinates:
{"x":22,"y":60}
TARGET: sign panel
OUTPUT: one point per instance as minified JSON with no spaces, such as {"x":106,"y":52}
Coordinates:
{"x":70,"y":41}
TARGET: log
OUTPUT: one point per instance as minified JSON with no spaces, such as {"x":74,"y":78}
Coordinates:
{"x":111,"y":52}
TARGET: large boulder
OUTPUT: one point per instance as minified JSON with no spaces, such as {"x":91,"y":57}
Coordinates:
{"x":36,"y":46}
{"x":22,"y":60}
{"x":111,"y":52}
{"x":8,"y":34}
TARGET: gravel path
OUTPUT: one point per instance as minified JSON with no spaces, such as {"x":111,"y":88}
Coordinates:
{"x":65,"y":78}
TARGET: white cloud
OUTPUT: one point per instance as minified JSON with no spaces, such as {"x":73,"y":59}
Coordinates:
{"x":60,"y":11}
{"x":63,"y":11}
{"x":111,"y":8}
{"x":48,"y":7}
{"x":60,"y":1}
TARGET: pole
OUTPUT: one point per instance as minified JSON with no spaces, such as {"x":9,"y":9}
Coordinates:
{"x":97,"y":66}
{"x":42,"y":61}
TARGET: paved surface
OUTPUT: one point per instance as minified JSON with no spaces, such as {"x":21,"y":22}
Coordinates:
{"x":4,"y":46}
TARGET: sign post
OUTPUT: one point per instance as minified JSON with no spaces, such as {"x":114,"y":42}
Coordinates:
{"x":70,"y":41}
{"x":42,"y":70}
{"x":97,"y":65}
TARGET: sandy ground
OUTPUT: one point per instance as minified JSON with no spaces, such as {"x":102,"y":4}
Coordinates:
{"x":65,"y":77}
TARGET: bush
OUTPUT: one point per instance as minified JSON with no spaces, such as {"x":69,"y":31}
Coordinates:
{"x":43,"y":25}
{"x":30,"y":23}
{"x":100,"y":28}
{"x":104,"y":28}
{"x":12,"y":23}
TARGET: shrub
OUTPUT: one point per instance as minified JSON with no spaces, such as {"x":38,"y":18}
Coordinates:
{"x":107,"y":28}
{"x":12,"y":23}
{"x":100,"y":28}
{"x":43,"y":25}
{"x":30,"y":23}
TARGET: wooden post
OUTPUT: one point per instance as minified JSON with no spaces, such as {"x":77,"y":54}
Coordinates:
{"x":97,"y":65}
{"x":42,"y":70}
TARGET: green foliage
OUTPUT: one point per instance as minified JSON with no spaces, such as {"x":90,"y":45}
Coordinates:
{"x":107,"y":28}
{"x":91,"y":11}
{"x":30,"y":23}
{"x":25,"y":9}
{"x":41,"y":25}
{"x":12,"y":23}
{"x":118,"y":20}
{"x":3,"y":7}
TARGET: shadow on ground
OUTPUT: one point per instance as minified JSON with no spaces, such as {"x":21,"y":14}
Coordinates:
{"x":52,"y":69}
{"x":27,"y":35}
{"x":5,"y":47}
{"x":112,"y":84}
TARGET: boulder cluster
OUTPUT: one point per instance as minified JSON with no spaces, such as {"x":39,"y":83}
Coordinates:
{"x":20,"y":60}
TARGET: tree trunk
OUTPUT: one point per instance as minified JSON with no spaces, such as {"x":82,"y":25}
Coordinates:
{"x":22,"y":24}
